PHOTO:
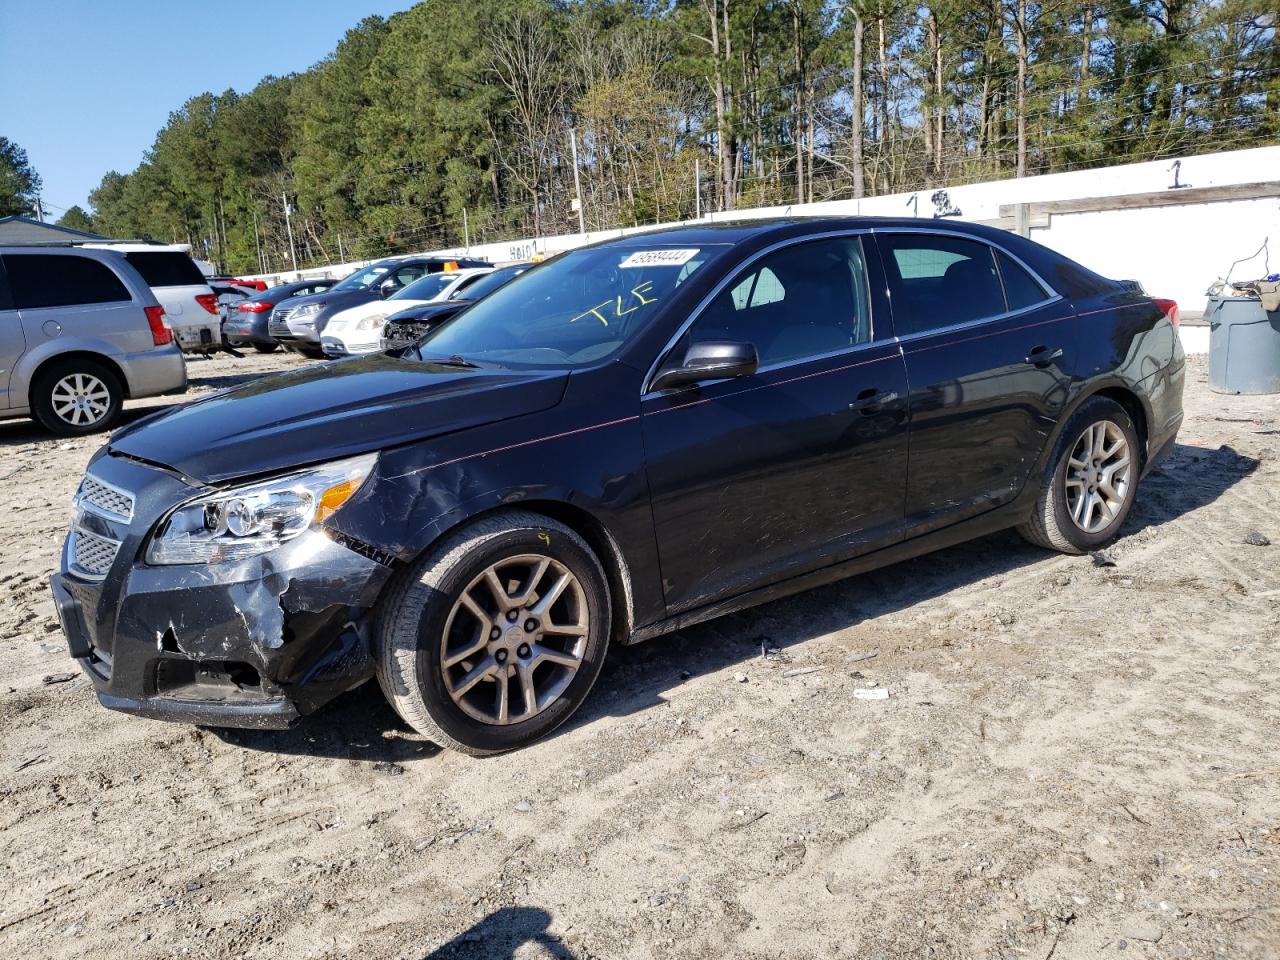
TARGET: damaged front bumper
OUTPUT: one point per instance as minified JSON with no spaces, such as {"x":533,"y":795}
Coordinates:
{"x":251,"y":643}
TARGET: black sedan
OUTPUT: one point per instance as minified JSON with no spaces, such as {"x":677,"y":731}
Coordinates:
{"x":631,"y":438}
{"x":247,"y":323}
{"x":405,"y":328}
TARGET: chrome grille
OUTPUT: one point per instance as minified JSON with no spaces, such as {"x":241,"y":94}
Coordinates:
{"x":106,"y":499}
{"x":279,"y":322}
{"x":91,"y":555}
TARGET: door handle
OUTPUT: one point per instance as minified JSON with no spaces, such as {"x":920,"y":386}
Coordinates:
{"x":870,"y":401}
{"x":1043,"y":356}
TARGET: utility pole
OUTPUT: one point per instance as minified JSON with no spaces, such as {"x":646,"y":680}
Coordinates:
{"x":577,"y":186}
{"x":40,"y":206}
{"x":466,"y":232}
{"x":697,"y":187}
{"x":342,"y":256}
{"x":288,"y":225}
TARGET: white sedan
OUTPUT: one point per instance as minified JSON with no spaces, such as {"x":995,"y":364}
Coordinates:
{"x":358,"y":329}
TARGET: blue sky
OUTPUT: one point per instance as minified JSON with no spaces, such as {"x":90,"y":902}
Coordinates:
{"x":85,"y":84}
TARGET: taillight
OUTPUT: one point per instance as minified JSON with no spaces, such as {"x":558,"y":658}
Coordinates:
{"x":254,"y":306}
{"x":161,"y":333}
{"x":209,"y":301}
{"x":1169,"y":308}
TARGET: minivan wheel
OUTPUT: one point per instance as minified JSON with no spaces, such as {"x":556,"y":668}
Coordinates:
{"x":75,"y":397}
{"x":496,"y":636}
{"x":1085,"y":499}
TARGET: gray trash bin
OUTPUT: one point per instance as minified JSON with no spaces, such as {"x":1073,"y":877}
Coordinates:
{"x":1244,"y":346}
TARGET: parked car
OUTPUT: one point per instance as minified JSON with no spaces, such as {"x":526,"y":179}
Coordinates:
{"x":631,"y":438}
{"x":299,"y":325}
{"x":80,"y":331}
{"x":188,"y":300}
{"x":358,"y":329}
{"x":405,"y":327}
{"x":248,"y":323}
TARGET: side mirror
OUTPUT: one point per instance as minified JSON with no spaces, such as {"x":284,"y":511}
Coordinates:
{"x":710,"y":360}
{"x":387,"y":287}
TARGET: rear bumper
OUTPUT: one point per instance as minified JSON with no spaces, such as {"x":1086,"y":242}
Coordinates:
{"x":197,"y":334}
{"x":156,"y":372}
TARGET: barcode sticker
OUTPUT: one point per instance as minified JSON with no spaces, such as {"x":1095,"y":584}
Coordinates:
{"x":659,"y":258}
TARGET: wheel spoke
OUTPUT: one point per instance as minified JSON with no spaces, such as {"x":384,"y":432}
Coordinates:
{"x":503,"y":699}
{"x":546,"y":602}
{"x":471,"y":650}
{"x":500,"y":595}
{"x":564,"y":629}
{"x":529,"y":690}
{"x":551,"y":655}
{"x":522,"y":599}
{"x":478,"y":673}
{"x":476,"y":610}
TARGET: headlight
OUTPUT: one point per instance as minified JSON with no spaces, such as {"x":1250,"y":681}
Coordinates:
{"x":245,"y":521}
{"x":374,"y":322}
{"x":308,"y":310}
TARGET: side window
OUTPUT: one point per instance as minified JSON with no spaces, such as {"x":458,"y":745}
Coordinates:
{"x":41,"y":280}
{"x":798,"y":302}
{"x":6,"y":300}
{"x":1020,"y":288}
{"x":936,"y":281}
{"x":406,"y":275}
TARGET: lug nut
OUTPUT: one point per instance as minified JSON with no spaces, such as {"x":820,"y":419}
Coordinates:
{"x":524,"y":650}
{"x":501,"y":656}
{"x":495,"y":633}
{"x":531,"y":625}
{"x":513,"y":616}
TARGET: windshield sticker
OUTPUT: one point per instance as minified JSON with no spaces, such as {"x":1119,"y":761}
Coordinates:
{"x":659,"y":258}
{"x":617,"y":307}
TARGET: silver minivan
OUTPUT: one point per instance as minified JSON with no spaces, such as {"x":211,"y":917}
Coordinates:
{"x":80,"y":331}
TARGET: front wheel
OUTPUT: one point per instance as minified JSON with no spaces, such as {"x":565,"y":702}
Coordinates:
{"x":1093,"y":480}
{"x":266,"y":347}
{"x":496,"y":636}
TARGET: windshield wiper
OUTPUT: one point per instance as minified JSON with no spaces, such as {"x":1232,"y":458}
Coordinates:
{"x":454,"y":361}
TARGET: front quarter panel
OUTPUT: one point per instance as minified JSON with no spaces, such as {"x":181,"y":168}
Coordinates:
{"x":585,"y":454}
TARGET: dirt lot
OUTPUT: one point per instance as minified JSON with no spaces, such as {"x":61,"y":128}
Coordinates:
{"x":1075,"y":761}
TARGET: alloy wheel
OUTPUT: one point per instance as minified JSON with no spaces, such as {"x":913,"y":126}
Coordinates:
{"x":1099,"y":472}
{"x":514,"y":639}
{"x":81,"y":399}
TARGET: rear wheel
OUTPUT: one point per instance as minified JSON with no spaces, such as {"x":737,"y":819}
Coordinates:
{"x":75,"y":397}
{"x":1093,"y":480}
{"x":496,"y":637}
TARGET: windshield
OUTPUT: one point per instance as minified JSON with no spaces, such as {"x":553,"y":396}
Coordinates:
{"x":488,"y":283}
{"x":574,"y":310}
{"x":427,"y":288}
{"x":362,"y":278}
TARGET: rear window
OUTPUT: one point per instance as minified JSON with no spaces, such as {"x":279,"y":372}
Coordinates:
{"x":166,"y":268}
{"x":43,"y":280}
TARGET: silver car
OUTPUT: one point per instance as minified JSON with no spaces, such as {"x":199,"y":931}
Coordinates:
{"x":80,"y":331}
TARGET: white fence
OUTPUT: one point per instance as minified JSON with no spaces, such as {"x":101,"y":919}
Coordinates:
{"x":1126,"y":222}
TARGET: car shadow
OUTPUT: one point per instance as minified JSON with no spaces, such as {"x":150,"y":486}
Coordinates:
{"x":499,"y":935}
{"x":361,"y":726}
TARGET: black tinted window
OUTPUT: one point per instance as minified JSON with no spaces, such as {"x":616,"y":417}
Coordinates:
{"x":6,"y":301}
{"x":936,"y":281}
{"x":1020,"y":288}
{"x":43,"y":280}
{"x":165,"y":268}
{"x":801,"y":301}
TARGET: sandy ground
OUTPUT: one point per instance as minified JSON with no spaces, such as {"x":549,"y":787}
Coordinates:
{"x":1075,"y":761}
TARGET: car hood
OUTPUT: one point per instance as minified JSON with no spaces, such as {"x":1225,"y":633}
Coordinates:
{"x":428,"y":310}
{"x":330,"y":411}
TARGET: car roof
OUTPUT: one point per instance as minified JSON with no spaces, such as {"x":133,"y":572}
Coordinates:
{"x":729,"y":232}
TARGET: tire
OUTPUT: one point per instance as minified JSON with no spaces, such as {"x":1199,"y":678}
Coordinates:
{"x":1059,"y":520}
{"x":424,"y":620}
{"x":266,"y":347}
{"x":74,"y":390}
